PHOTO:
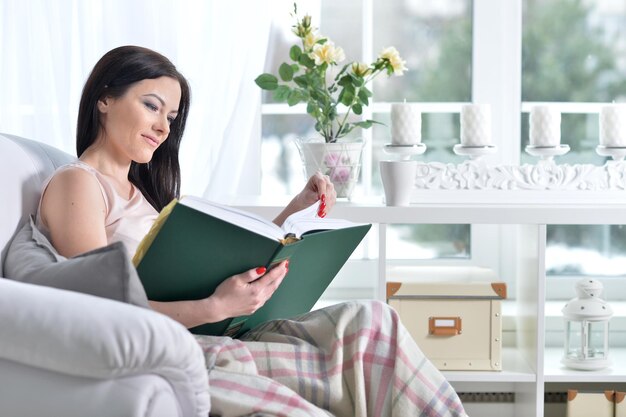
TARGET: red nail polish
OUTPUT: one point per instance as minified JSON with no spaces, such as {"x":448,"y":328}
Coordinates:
{"x":323,"y":214}
{"x":322,"y":206}
{"x":261,"y":270}
{"x":323,"y":198}
{"x":287,"y":264}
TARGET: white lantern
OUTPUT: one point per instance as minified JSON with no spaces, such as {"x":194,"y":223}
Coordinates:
{"x":587,"y":328}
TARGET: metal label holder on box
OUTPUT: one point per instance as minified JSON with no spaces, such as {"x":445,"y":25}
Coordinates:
{"x":458,"y":325}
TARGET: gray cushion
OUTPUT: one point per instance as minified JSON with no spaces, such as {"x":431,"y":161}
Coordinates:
{"x":106,"y":272}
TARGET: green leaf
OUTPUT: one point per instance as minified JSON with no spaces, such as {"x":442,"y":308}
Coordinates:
{"x":366,"y":124}
{"x":310,"y":108}
{"x":368,"y":92}
{"x":281,"y":93}
{"x":357,"y":109}
{"x":345,"y":80}
{"x":295,"y":68}
{"x":345,"y":129}
{"x":347,"y":97}
{"x":301,"y":81}
{"x":340,"y":97}
{"x":295,"y":52}
{"x":267,"y":82}
{"x":286,"y":72}
{"x":363,"y":97}
{"x":306,"y":61}
{"x":357,"y":81}
{"x":293,"y":98}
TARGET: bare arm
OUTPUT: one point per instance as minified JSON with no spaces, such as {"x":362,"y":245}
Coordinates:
{"x":74,"y":211}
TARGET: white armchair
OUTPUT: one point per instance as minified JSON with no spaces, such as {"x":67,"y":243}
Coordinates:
{"x":68,"y":354}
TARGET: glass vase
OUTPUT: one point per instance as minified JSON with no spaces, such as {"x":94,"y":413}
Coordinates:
{"x":341,"y":161}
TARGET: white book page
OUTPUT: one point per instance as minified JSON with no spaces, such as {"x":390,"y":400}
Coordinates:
{"x":306,"y":220}
{"x":297,"y":223}
{"x":245,"y":219}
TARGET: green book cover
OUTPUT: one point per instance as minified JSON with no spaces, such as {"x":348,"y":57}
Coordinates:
{"x":197,"y":245}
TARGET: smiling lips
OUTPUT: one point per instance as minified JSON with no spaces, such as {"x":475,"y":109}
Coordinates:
{"x":152,"y":141}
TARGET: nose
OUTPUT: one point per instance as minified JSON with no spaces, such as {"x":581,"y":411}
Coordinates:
{"x":162,"y":125}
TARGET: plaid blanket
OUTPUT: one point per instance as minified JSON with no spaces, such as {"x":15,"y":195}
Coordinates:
{"x":350,"y":359}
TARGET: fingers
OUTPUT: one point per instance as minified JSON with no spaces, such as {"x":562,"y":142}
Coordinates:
{"x":261,"y":276}
{"x":245,"y":293}
{"x":326,"y":193}
{"x":253,"y":274}
{"x":276,"y":274}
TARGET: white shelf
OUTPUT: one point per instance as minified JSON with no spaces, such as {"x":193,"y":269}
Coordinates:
{"x":555,"y":372}
{"x":515,"y":369}
{"x":527,"y":366}
{"x":504,"y":211}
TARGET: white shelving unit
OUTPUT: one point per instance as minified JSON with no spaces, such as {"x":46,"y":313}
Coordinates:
{"x":529,"y":367}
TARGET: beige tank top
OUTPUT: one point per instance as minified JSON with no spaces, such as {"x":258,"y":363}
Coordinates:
{"x":126,"y":221}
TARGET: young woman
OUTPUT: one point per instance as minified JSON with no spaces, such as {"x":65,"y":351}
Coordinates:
{"x":350,"y":359}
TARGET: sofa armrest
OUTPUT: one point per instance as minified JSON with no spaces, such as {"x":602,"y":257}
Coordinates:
{"x":28,"y":391}
{"x":88,"y":336}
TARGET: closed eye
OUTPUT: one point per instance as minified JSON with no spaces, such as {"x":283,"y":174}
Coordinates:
{"x":151,"y":106}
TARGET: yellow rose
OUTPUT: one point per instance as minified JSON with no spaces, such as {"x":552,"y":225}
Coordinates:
{"x":327,"y":53}
{"x":360,"y":69}
{"x":393,"y":56}
{"x":310,"y":40}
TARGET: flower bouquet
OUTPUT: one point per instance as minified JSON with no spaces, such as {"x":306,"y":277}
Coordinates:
{"x":330,"y":99}
{"x":307,"y":79}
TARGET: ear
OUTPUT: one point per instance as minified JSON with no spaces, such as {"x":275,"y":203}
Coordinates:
{"x":103,"y":104}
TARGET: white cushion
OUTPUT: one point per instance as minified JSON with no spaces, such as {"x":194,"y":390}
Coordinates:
{"x":88,"y":336}
{"x":104,"y":272}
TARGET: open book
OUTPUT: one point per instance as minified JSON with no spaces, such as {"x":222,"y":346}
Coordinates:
{"x":195,"y":244}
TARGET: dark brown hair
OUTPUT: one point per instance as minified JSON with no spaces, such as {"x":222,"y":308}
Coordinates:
{"x":112,"y":76}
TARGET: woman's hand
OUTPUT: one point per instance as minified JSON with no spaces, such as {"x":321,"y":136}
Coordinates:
{"x":318,"y":188}
{"x":244,"y":293}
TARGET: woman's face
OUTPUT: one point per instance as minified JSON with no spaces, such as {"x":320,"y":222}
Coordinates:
{"x":137,"y":123}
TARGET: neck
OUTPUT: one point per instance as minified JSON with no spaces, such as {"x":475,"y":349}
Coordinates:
{"x":107,"y":162}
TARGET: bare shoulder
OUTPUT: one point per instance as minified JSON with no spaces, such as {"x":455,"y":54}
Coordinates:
{"x":74,"y":185}
{"x":74,"y":210}
{"x":70,"y":192}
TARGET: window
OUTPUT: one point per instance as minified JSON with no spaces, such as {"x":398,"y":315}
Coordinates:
{"x":572,"y":55}
{"x":435,"y":38}
{"x":513,"y":55}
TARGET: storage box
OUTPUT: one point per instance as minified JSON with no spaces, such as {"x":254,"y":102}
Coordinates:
{"x":587,"y":404}
{"x":458,"y":325}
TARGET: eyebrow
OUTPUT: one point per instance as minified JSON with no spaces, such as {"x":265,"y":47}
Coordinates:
{"x":160,"y":100}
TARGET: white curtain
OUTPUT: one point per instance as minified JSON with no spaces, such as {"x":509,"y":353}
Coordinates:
{"x":48,"y":47}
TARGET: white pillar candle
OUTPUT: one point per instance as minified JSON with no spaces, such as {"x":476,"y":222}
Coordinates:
{"x":545,"y":126}
{"x":406,"y":124}
{"x":476,"y":125}
{"x":613,"y":126}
